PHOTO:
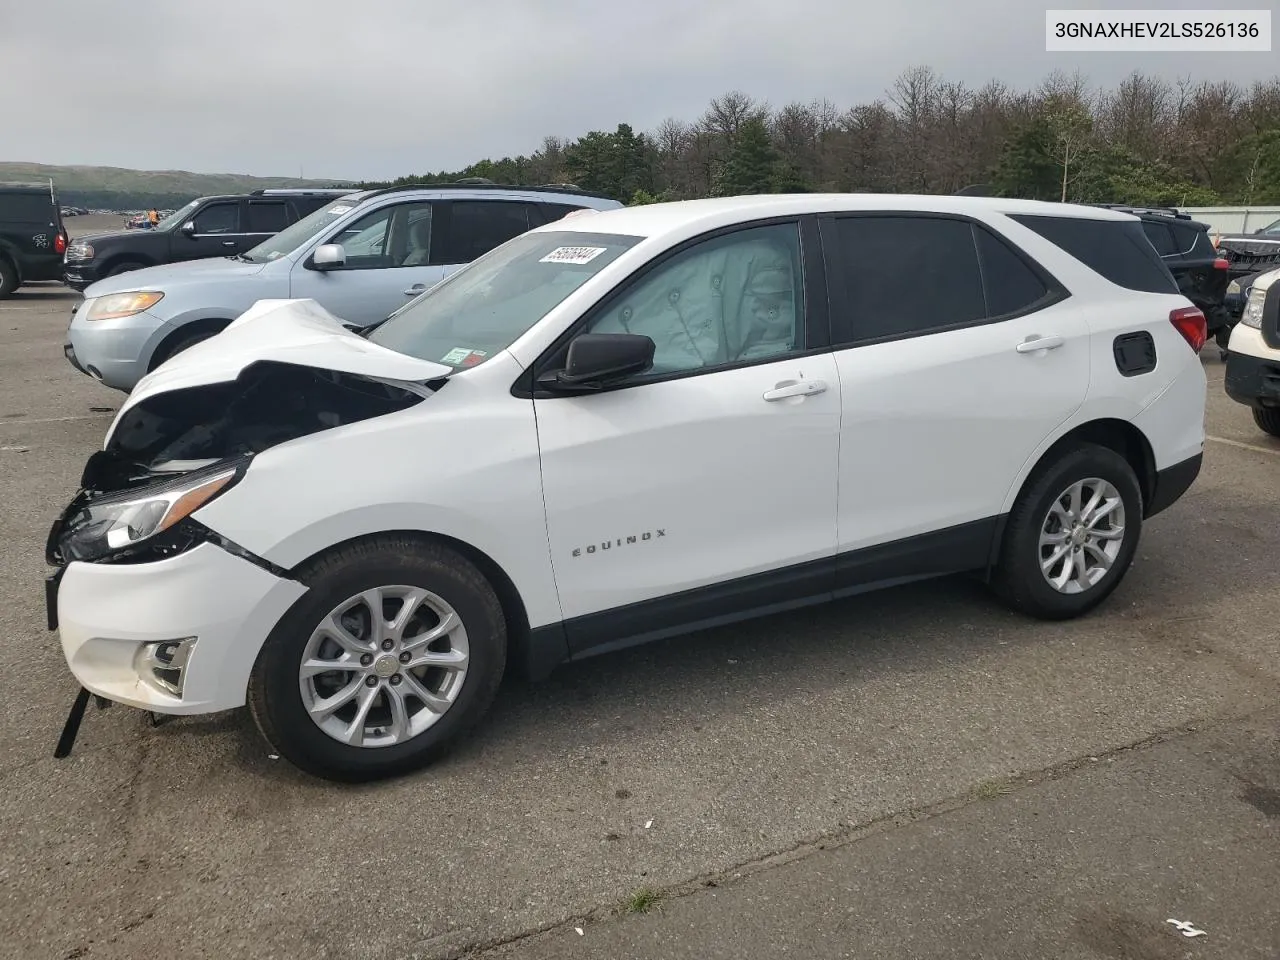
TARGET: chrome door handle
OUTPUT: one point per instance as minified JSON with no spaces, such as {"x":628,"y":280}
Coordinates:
{"x":416,"y":289}
{"x":794,"y":388}
{"x":228,"y":243}
{"x":1032,"y":344}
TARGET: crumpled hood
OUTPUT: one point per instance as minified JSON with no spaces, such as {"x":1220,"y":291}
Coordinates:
{"x":165,"y":276}
{"x":294,"y":332}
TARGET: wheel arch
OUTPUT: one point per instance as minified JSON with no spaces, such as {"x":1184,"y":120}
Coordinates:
{"x":1120,"y":436}
{"x":535,"y":653}
{"x":115,"y":260}
{"x":164,"y":349}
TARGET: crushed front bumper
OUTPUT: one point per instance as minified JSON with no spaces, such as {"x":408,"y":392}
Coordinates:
{"x":178,"y":635}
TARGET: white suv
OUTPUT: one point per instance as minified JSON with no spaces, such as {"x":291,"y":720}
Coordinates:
{"x":1253,"y":354}
{"x":620,"y":427}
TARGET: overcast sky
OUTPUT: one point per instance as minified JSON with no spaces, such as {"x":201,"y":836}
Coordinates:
{"x":383,"y":88}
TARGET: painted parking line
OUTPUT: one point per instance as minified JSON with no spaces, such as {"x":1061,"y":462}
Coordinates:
{"x":1245,"y":446}
{"x":91,"y":416}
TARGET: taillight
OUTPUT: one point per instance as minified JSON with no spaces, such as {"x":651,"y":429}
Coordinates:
{"x":1221,"y":264}
{"x":60,"y":243}
{"x":1190,"y":322}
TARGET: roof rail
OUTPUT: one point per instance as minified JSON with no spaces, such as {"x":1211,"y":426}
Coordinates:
{"x":475,"y":181}
{"x":301,"y":191}
{"x":1142,"y":208}
{"x":458,"y":185}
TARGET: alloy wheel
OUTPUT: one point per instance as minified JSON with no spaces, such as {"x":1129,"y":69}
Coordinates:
{"x":384,"y":666}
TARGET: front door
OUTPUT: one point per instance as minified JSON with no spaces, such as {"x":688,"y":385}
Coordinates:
{"x":958,"y":357}
{"x":707,"y":486}
{"x":389,"y":261}
{"x":218,"y":232}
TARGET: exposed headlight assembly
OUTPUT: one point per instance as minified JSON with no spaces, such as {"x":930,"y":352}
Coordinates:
{"x":1252,"y":316}
{"x":116,"y":305}
{"x":114,"y":523}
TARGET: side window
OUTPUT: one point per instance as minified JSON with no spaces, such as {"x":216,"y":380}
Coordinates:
{"x":477,"y":226}
{"x":1011,"y":285}
{"x":267,"y":216}
{"x":1161,"y":238}
{"x":392,"y":236}
{"x":907,"y":275}
{"x":27,"y":207}
{"x":1117,"y":250}
{"x":728,"y":300}
{"x":1187,"y":239}
{"x":218,"y":218}
{"x":558,"y":211}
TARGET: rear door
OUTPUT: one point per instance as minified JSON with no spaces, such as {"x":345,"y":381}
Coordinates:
{"x":263,"y":219}
{"x":957,"y":357}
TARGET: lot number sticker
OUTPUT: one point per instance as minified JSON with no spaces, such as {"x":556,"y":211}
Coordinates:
{"x":576,"y":255}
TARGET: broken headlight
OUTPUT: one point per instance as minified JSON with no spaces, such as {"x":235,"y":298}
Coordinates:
{"x":113,"y":523}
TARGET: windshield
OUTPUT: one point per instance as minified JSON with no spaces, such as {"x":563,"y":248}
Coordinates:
{"x":1271,"y":229}
{"x":490,"y":303}
{"x":175,"y":218}
{"x":292,"y":237}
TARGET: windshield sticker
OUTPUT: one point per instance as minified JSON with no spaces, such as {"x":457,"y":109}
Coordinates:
{"x":576,"y":255}
{"x":472,"y":358}
{"x":340,"y":208}
{"x":455,"y":356}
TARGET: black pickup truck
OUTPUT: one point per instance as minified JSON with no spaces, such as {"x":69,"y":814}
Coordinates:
{"x":206,"y":227}
{"x":32,"y":237}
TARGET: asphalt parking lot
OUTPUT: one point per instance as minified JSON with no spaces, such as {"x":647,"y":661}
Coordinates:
{"x":914,"y":773}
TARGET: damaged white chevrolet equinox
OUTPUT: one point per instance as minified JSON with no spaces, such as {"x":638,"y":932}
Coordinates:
{"x":620,"y":427}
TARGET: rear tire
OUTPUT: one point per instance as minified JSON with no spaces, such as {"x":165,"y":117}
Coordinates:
{"x":8,"y":279}
{"x":1268,"y":420}
{"x":287,"y":702}
{"x":1034,"y":575}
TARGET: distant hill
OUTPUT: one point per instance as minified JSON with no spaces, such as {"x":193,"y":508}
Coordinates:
{"x":117,"y":188}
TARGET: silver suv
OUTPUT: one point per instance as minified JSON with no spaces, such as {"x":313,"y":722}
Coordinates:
{"x":361,"y":257}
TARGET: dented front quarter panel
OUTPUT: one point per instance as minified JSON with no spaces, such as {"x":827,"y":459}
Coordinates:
{"x":462,"y":465}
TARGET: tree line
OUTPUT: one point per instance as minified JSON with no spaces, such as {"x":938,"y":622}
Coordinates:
{"x":1147,"y":141}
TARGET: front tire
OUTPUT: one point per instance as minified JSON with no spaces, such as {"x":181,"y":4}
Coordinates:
{"x":1071,"y":535}
{"x":127,"y":266}
{"x":351,"y":693}
{"x":1268,"y":420}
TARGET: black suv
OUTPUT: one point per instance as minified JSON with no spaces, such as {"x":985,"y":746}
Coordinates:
{"x":32,"y":237}
{"x":1188,"y":251}
{"x":207,"y":227}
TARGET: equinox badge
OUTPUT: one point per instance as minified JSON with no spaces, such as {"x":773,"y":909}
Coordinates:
{"x":621,"y":541}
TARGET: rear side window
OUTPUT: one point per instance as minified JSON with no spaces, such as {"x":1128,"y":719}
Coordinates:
{"x":557,"y":211}
{"x":26,"y":208}
{"x":1119,"y":251}
{"x":267,"y":216}
{"x":906,"y":275}
{"x":1186,"y":238}
{"x":1011,"y":285}
{"x":477,"y":226}
{"x":1160,"y":238}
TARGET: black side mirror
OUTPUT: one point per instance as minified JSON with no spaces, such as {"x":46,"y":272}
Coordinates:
{"x":597,"y":359}
{"x":1271,"y":316}
{"x":189,"y":228}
